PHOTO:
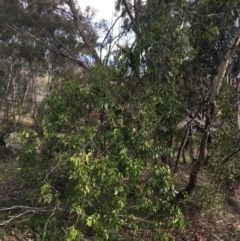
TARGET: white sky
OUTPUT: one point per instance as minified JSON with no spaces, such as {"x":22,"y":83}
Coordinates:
{"x":105,"y":10}
{"x":105,"y":7}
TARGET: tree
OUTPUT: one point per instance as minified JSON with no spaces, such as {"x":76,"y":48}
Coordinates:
{"x":55,"y":26}
{"x":210,"y":116}
{"x":100,"y":162}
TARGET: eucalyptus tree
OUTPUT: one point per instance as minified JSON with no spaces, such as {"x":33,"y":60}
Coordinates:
{"x":11,"y":77}
{"x":189,"y":56}
{"x":58,"y":26}
{"x":211,"y":33}
{"x":97,"y":172}
{"x":43,"y":32}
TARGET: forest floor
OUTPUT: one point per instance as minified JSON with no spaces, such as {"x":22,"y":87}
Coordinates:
{"x":217,"y":221}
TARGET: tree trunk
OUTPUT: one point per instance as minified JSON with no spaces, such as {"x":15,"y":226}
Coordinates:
{"x":81,"y":31}
{"x":238,"y":103}
{"x":34,"y":96}
{"x":13,"y":95}
{"x":23,"y":100}
{"x":5,"y":92}
{"x":209,"y":120}
{"x":181,"y":149}
{"x":192,"y":151}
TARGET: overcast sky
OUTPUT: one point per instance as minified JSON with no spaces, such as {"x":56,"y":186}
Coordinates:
{"x":105,"y":11}
{"x":105,"y":7}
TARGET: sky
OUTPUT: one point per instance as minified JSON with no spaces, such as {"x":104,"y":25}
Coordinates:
{"x":105,"y":7}
{"x":105,"y":11}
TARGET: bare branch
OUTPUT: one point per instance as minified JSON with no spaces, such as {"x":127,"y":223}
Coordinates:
{"x":6,"y":222}
{"x":108,"y":34}
{"x":51,"y":215}
{"x":25,"y":207}
{"x":82,"y":32}
{"x":129,"y":12}
{"x":28,"y":210}
{"x":228,"y":158}
{"x":115,"y":43}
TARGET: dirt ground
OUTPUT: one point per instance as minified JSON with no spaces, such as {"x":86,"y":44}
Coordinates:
{"x":222,"y":223}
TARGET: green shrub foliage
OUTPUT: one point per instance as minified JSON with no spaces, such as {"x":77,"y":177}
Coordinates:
{"x":101,"y":174}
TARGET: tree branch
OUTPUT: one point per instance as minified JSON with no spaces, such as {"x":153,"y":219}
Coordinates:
{"x":27,"y":210}
{"x":223,"y":67}
{"x":6,"y":222}
{"x":129,"y":12}
{"x":14,"y":29}
{"x":81,"y":31}
{"x":231,"y":155}
{"x":108,"y":34}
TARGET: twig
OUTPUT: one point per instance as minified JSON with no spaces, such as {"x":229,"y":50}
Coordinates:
{"x":231,"y":155}
{"x":51,"y":215}
{"x":6,"y":222}
{"x":24,"y":207}
{"x":107,"y":35}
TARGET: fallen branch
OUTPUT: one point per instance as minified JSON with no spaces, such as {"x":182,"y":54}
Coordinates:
{"x":6,"y":222}
{"x":24,"y":207}
{"x":27,"y":210}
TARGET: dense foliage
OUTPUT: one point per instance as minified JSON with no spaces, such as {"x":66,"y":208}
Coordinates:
{"x":99,"y":164}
